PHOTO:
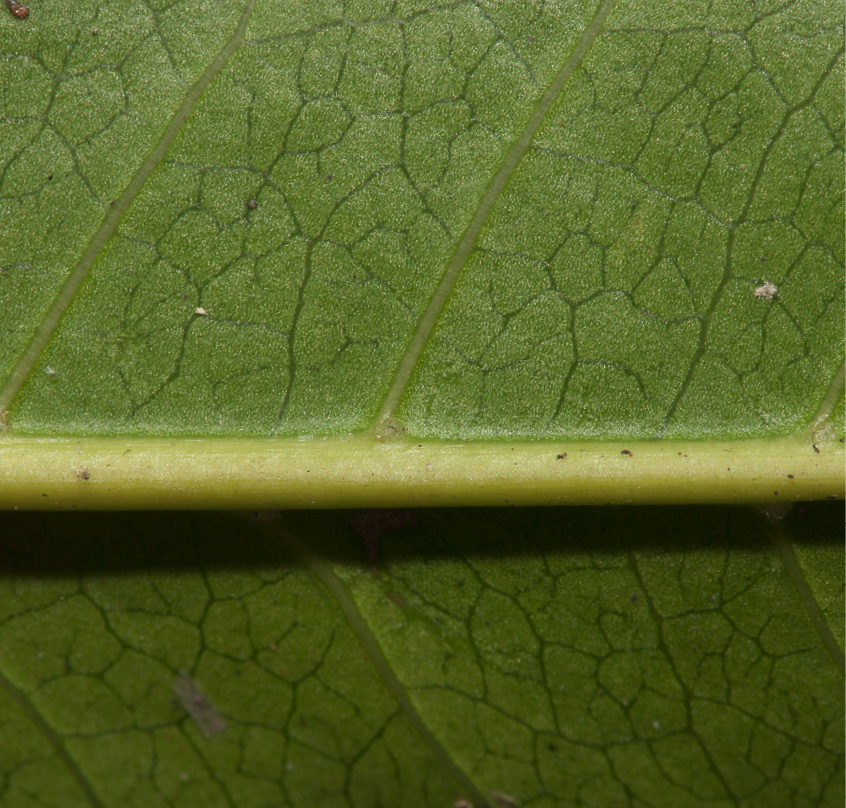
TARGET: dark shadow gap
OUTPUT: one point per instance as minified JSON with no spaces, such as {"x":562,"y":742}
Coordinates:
{"x":82,"y":544}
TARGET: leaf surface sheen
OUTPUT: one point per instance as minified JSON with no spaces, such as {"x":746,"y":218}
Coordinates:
{"x":477,"y":222}
{"x":586,"y":657}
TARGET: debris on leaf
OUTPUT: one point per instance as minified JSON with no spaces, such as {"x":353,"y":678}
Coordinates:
{"x":774,"y":512}
{"x":766,"y":291}
{"x":462,"y":803}
{"x":82,"y":473}
{"x":370,"y":525}
{"x":209,"y":720}
{"x":505,"y":800}
{"x":201,"y":311}
{"x":390,"y":429}
{"x":17,"y":9}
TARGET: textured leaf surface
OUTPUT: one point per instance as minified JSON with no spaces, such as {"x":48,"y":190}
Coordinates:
{"x":585,"y":657}
{"x":512,"y":220}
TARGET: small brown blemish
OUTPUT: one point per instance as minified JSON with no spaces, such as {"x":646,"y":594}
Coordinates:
{"x":626,"y":452}
{"x":17,"y":9}
{"x":252,"y":204}
{"x":82,"y":473}
{"x":775,"y":493}
{"x":562,"y":456}
{"x":789,"y":476}
{"x":832,"y":496}
{"x":816,"y":448}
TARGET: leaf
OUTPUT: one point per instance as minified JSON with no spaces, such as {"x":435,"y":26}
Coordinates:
{"x":419,"y":223}
{"x":593,"y":657}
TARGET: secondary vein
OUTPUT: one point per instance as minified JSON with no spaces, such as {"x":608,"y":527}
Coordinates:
{"x":468,"y":240}
{"x":40,"y":339}
{"x":53,"y":738}
{"x":338,"y":590}
{"x":806,"y":595}
{"x":829,"y":400}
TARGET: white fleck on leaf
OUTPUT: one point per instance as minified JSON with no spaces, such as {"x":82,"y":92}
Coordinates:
{"x":766,"y":290}
{"x":201,"y":311}
{"x":209,"y":720}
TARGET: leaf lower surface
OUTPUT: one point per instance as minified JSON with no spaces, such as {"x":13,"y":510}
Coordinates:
{"x":410,"y":221}
{"x":562,"y":657}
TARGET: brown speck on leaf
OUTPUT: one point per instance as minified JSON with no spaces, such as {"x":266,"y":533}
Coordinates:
{"x":82,"y":473}
{"x":252,"y":204}
{"x":626,"y":452}
{"x":462,"y":803}
{"x":4,"y":414}
{"x":789,"y":476}
{"x":530,"y":39}
{"x":816,"y":448}
{"x":17,"y":9}
{"x":562,"y":456}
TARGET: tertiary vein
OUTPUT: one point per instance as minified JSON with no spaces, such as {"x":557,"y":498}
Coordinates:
{"x":40,"y":339}
{"x":467,"y":241}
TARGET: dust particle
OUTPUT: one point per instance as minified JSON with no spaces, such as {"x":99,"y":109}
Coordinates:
{"x":252,"y":204}
{"x":209,"y":720}
{"x":766,"y":291}
{"x":504,"y":800}
{"x":82,"y":473}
